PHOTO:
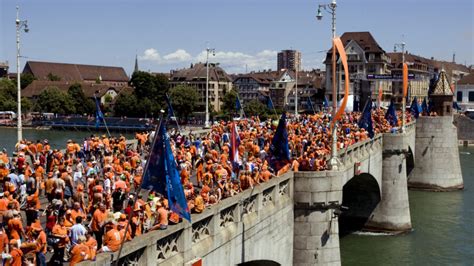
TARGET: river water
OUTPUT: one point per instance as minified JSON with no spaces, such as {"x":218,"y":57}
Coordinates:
{"x":443,"y":222}
{"x":443,"y":230}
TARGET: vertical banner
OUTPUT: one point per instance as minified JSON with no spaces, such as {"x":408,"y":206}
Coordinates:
{"x":342,"y":53}
{"x":405,"y":80}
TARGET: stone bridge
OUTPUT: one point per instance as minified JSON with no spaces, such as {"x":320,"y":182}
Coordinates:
{"x":297,"y":218}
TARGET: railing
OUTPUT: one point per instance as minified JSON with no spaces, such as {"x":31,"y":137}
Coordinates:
{"x":215,"y":226}
{"x":358,"y":150}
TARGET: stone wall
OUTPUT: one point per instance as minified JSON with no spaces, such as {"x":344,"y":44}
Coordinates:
{"x":253,"y":225}
{"x":465,"y":127}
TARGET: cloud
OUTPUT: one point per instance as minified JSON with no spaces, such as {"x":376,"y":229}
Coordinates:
{"x":231,"y":61}
{"x":150,"y":54}
{"x":179,"y":56}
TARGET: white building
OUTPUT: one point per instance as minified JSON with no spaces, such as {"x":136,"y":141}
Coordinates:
{"x":465,"y":92}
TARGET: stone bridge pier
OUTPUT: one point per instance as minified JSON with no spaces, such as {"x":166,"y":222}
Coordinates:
{"x":371,"y":187}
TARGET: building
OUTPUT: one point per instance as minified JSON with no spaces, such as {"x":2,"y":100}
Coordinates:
{"x":253,"y":85}
{"x":107,"y":75}
{"x":195,"y":76}
{"x":104,"y":92}
{"x":289,"y":59}
{"x":419,"y":66}
{"x":3,"y":69}
{"x":365,"y":56}
{"x":465,"y":92}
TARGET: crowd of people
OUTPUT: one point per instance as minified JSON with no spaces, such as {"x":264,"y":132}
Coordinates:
{"x":75,"y":202}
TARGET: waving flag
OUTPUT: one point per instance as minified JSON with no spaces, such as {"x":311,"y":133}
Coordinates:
{"x":414,"y":108}
{"x":238,"y":106}
{"x":456,"y":106}
{"x":270,"y":103}
{"x":424,"y":106}
{"x":234,"y":147}
{"x":365,"y":120}
{"x":99,"y":116}
{"x":279,"y":150}
{"x":430,"y":105}
{"x":379,"y":98}
{"x":326,"y":103}
{"x":161,"y":174}
{"x":391,"y":115}
{"x":342,"y":53}
{"x":405,"y":80}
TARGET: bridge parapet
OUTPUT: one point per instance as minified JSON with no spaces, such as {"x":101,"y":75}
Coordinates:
{"x":255,"y":224}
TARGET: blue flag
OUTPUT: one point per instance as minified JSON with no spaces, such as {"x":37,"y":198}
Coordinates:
{"x":414,"y":108}
{"x":310,"y":103}
{"x":365,"y":120}
{"x":326,"y":103}
{"x":270,"y":103}
{"x":99,"y":116}
{"x":391,"y":115}
{"x":238,"y":106}
{"x":170,"y":107}
{"x":161,"y":174}
{"x":430,"y":105}
{"x":279,"y":150}
{"x":456,"y":106}
{"x":424,"y":106}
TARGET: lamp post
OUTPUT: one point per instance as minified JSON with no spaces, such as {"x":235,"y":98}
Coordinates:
{"x":331,"y":9}
{"x":20,"y":24}
{"x":402,"y":45}
{"x":213,"y":51}
{"x":296,"y":92}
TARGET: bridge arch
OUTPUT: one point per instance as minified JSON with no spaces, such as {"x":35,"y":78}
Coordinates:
{"x":360,"y":197}
{"x":259,"y":263}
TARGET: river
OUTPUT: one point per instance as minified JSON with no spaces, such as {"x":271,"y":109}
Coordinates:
{"x":443,"y":230}
{"x":56,"y":138}
{"x":443,"y":222}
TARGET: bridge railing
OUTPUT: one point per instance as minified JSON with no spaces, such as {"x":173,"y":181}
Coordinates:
{"x":215,"y":226}
{"x":352,"y":153}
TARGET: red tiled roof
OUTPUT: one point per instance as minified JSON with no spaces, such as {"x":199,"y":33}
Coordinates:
{"x":467,"y":80}
{"x":37,"y":86}
{"x":75,"y":72}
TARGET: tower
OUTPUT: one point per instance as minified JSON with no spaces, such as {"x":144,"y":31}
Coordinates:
{"x":136,"y":65}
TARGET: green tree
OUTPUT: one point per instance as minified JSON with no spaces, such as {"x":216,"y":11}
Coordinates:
{"x":52,"y":100}
{"x":228,"y":102}
{"x":82,"y":104}
{"x":8,"y":95}
{"x":255,"y":107}
{"x":126,"y":105}
{"x":150,"y":91}
{"x":184,"y":100}
{"x":26,"y":105}
{"x":26,"y":79}
{"x":52,"y":77}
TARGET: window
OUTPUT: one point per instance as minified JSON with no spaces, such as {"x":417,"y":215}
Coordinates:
{"x":471,"y":96}
{"x":459,"y":96}
{"x":371,"y":57}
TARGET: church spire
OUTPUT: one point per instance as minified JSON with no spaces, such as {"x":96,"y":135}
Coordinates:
{"x":136,"y":64}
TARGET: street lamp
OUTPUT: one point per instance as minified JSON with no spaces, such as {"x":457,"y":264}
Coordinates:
{"x":20,"y":24}
{"x":213,"y":51}
{"x":402,"y":45}
{"x":331,"y":9}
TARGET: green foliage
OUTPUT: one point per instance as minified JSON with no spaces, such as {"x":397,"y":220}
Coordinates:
{"x":228,"y":102}
{"x":26,"y":79}
{"x":7,"y":95}
{"x":150,"y":91}
{"x":26,"y":105}
{"x":255,"y":107}
{"x":52,"y":77}
{"x":52,"y":100}
{"x":108,"y":98}
{"x":126,"y":105}
{"x":81,"y":103}
{"x":184,"y":100}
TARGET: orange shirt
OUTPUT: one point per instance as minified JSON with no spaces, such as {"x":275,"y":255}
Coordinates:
{"x":17,"y":255}
{"x":75,"y":213}
{"x":41,"y":243}
{"x":112,"y":239}
{"x":15,"y":227}
{"x":61,"y":230}
{"x":92,"y":244}
{"x":79,"y":253}
{"x":3,"y":241}
{"x":97,"y":218}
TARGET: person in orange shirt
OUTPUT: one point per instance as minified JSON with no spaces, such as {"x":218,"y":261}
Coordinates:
{"x":41,"y":243}
{"x":15,"y":226}
{"x":98,"y":219}
{"x":92,"y":244}
{"x":3,"y":241}
{"x":15,"y":254}
{"x":112,"y":239}
{"x":59,"y":232}
{"x":79,"y":252}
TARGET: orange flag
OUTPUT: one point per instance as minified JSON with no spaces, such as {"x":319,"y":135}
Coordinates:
{"x":342,"y":53}
{"x":405,"y":80}
{"x":452,"y":88}
{"x":380,"y":95}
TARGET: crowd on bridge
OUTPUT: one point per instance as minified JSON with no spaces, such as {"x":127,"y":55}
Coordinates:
{"x":75,"y":202}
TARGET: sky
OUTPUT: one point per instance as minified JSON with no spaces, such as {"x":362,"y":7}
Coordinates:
{"x":246,"y":34}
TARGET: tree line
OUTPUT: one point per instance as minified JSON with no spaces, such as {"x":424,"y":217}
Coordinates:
{"x":146,"y":100}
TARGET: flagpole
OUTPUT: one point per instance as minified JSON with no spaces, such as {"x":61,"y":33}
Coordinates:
{"x":138,"y":190}
{"x":175,"y":118}
{"x":269,"y":97}
{"x":312,"y":107}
